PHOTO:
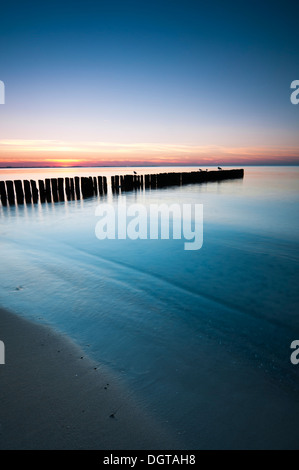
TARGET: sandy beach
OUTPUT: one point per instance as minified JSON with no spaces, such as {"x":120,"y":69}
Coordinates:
{"x":54,"y":397}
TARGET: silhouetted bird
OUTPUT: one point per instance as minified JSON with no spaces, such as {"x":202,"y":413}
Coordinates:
{"x":135,"y":173}
{"x":219,"y":168}
{"x":199,"y":169}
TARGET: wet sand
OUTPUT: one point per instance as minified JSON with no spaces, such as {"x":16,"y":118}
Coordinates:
{"x":54,"y":397}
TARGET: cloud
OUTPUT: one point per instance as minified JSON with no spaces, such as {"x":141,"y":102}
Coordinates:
{"x":45,"y":152}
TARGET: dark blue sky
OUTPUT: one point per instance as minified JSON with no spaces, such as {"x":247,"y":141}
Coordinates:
{"x":168,"y":72}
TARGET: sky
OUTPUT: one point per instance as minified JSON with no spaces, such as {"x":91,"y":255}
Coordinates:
{"x":135,"y":83}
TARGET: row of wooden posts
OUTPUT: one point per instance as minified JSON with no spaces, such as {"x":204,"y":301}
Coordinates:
{"x":51,"y":190}
{"x":61,"y":189}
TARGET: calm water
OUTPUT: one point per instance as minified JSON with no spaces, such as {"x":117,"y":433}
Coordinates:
{"x":201,"y":337}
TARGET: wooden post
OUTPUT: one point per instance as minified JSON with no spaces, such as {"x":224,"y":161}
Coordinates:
{"x":124,"y":183}
{"x":3,"y":194}
{"x":90,"y":186}
{"x":48,"y":190}
{"x":83,"y":186}
{"x":27,"y":189}
{"x":95,"y":186}
{"x":153,"y":181}
{"x":34,"y":191}
{"x":117,"y":183}
{"x":19,"y":191}
{"x":100,"y":183}
{"x":54,"y":189}
{"x":87,"y":187}
{"x":174,"y":179}
{"x":104,"y":184}
{"x":67,"y":189}
{"x":10,"y":192}
{"x":72,"y":188}
{"x":77,"y":187}
{"x":61,"y":189}
{"x":42,"y":192}
{"x":128,"y":182}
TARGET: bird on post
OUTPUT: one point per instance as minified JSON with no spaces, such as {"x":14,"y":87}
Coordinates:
{"x":219,"y":168}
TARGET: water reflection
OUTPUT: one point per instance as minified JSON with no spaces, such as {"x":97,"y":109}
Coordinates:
{"x":195,"y":334}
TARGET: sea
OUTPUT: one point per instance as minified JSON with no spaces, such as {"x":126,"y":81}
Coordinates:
{"x":201,"y":338}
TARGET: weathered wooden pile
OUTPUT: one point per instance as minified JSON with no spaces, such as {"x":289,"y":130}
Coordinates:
{"x":61,"y":189}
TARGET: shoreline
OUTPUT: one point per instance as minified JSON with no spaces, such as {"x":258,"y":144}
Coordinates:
{"x":52,"y":396}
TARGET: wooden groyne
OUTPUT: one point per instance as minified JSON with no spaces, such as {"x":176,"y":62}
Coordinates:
{"x":51,"y":190}
{"x":71,"y":189}
{"x":160,"y":180}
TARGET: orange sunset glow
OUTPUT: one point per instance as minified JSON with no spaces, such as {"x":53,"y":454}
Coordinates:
{"x":26,"y":153}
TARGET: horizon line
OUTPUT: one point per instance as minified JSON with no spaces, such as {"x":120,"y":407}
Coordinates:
{"x":9,"y":167}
